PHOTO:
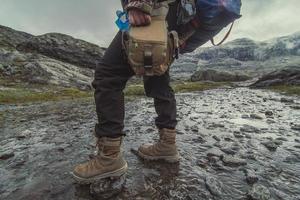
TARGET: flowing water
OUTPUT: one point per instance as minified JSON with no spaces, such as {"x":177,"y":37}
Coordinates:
{"x":234,"y":144}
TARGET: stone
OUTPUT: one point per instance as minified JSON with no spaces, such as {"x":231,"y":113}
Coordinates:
{"x":296,"y":127}
{"x":286,"y":76}
{"x":286,"y":100}
{"x":259,"y":192}
{"x":295,"y":107}
{"x":216,"y":138}
{"x":218,"y":76}
{"x":213,"y":186}
{"x":249,"y":129}
{"x":233,"y":161}
{"x":6,"y":155}
{"x":271,"y":145}
{"x":269,"y":113}
{"x":251,"y":177}
{"x":245,"y":116}
{"x":107,"y":188}
{"x":214,"y":152}
{"x":256,"y":116}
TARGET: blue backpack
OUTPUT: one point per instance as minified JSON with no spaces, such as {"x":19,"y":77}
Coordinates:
{"x":212,"y":8}
{"x":207,"y":15}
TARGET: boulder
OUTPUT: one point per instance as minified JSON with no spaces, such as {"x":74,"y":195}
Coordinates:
{"x":218,"y":76}
{"x":287,"y":76}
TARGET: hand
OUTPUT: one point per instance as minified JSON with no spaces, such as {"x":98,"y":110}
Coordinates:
{"x":138,"y":18}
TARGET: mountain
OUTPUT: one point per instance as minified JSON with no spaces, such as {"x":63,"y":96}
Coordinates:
{"x":47,"y":59}
{"x":62,"y":60}
{"x":245,"y":56}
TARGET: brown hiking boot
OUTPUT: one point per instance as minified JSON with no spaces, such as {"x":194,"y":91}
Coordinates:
{"x":107,"y":163}
{"x":164,"y":149}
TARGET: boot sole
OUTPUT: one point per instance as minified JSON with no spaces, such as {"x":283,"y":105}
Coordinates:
{"x":114,"y":174}
{"x":169,"y":159}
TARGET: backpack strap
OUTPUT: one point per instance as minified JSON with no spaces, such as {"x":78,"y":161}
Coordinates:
{"x":223,"y":40}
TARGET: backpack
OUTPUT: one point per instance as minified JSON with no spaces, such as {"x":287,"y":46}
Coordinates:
{"x":207,"y":14}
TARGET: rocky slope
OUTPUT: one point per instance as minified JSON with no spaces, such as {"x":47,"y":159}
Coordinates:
{"x":47,"y":59}
{"x":63,"y":60}
{"x":289,"y":77}
{"x":246,"y":56}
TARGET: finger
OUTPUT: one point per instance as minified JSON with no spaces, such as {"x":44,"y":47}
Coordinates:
{"x":130,"y":18}
{"x":142,"y":19}
{"x":148,"y":19}
{"x":137,"y":19}
{"x":134,"y":21}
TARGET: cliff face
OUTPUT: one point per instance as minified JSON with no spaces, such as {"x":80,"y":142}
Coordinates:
{"x":245,"y":56}
{"x":47,"y":59}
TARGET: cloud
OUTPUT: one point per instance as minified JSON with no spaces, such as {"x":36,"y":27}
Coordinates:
{"x":93,"y":20}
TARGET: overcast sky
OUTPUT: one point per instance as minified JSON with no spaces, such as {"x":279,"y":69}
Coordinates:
{"x":93,"y":20}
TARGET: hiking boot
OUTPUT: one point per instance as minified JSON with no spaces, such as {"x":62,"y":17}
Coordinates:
{"x":108,"y":162}
{"x":165,"y":149}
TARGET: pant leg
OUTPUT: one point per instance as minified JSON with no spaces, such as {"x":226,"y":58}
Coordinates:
{"x":110,"y":79}
{"x":158,"y":87}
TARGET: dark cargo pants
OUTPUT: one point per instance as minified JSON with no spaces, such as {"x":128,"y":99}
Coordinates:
{"x":110,"y":80}
{"x":112,"y":74}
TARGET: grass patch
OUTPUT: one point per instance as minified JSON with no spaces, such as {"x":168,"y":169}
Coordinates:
{"x":21,"y":94}
{"x":138,"y":90}
{"x":134,"y":90}
{"x":196,"y":86}
{"x":286,"y":89}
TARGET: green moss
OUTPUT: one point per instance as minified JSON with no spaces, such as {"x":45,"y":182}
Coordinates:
{"x":288,"y":90}
{"x":35,"y":93}
{"x":22,"y":95}
{"x":196,"y":86}
{"x":134,"y":90}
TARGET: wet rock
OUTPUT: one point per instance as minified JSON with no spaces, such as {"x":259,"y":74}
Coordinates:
{"x":202,"y":163}
{"x":256,"y":116}
{"x":199,"y":139}
{"x":259,"y":192}
{"x":271,"y":145}
{"x":268,"y":113}
{"x":229,"y":150}
{"x":233,"y":161}
{"x":296,"y":127}
{"x":214,"y":152}
{"x":107,"y":188}
{"x":251,"y":177}
{"x":270,"y":121}
{"x":286,"y":100}
{"x":282,"y":139}
{"x":214,"y":186}
{"x":216,"y":138}
{"x":245,"y":116}
{"x":6,"y":155}
{"x":249,"y":129}
{"x":296,"y":107}
{"x":238,"y":134}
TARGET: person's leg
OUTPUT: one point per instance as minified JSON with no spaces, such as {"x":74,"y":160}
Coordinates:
{"x":110,"y":79}
{"x":158,"y":87}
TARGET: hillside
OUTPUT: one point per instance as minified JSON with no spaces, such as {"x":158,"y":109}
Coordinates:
{"x":47,"y":59}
